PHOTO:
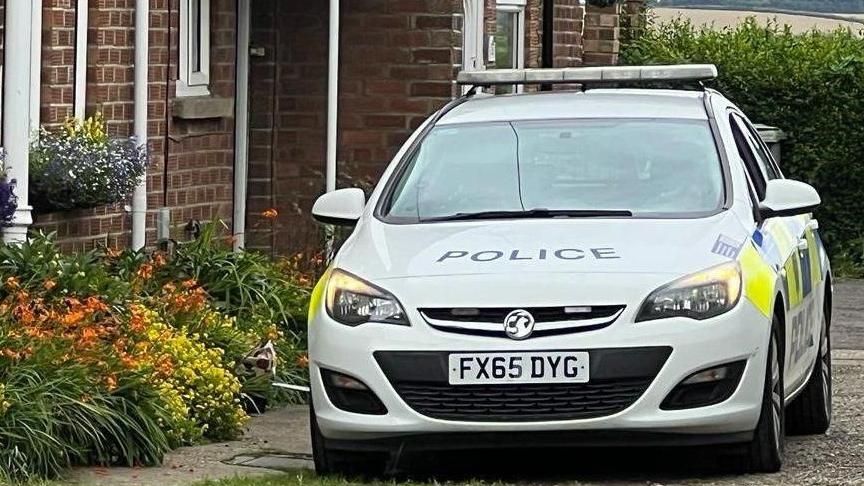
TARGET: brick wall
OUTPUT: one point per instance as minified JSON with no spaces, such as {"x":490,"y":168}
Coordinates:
{"x":534,"y":34}
{"x":58,"y":61}
{"x":602,"y":35}
{"x":568,"y":25}
{"x":397,"y":67}
{"x":199,"y":154}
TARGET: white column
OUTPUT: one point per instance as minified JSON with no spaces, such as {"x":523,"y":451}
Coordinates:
{"x":16,"y":104}
{"x":142,"y":64}
{"x":332,"y":96}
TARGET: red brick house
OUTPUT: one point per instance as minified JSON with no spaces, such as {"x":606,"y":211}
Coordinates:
{"x":234,"y":99}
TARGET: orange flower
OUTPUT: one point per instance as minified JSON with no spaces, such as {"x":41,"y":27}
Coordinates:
{"x":111,"y":383}
{"x":12,"y":283}
{"x":93,"y":304}
{"x":271,"y":213}
{"x":303,"y":360}
{"x":72,"y":318}
{"x":49,"y":284}
{"x":89,"y":336}
{"x":112,"y":253}
{"x":190,"y":284}
{"x":9,"y":353}
{"x":159,"y":260}
{"x":145,"y":271}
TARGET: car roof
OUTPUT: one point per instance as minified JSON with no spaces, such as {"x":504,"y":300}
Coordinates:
{"x":595,"y":103}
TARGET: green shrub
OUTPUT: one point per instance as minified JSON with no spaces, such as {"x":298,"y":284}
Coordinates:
{"x":810,"y":85}
{"x":111,"y":357}
{"x":55,"y":417}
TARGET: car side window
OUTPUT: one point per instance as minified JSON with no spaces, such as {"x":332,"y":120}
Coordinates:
{"x":757,"y":146}
{"x":755,"y":173}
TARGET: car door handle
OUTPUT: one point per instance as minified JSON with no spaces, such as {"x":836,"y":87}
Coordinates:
{"x":803,"y":245}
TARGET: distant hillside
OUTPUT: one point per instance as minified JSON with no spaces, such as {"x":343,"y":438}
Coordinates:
{"x":832,"y":6}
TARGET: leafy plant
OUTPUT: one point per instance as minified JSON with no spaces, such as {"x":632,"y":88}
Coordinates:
{"x":810,"y":85}
{"x":79,"y":166}
{"x":8,"y":199}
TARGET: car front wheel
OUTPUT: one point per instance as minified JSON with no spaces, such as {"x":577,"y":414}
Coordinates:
{"x":343,"y":463}
{"x":765,"y":452}
{"x":810,"y":413}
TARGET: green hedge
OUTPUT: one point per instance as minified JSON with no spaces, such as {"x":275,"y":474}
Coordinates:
{"x":829,"y":6}
{"x":810,"y":85}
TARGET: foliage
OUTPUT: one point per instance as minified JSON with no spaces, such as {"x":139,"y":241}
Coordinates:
{"x":833,"y":6}
{"x":114,"y":357}
{"x":264,"y":298}
{"x":8,"y":199}
{"x":79,"y":166}
{"x":810,"y":85}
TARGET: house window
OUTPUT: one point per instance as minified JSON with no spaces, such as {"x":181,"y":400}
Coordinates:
{"x":510,"y":37}
{"x":194,"y":69}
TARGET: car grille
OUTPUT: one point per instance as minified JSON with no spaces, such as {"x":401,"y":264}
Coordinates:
{"x":618,"y":377}
{"x":523,"y":403}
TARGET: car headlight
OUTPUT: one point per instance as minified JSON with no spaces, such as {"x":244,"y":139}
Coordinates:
{"x":699,"y":296}
{"x":353,"y":301}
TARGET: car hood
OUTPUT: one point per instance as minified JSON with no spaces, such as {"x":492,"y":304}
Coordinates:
{"x":381,"y":251}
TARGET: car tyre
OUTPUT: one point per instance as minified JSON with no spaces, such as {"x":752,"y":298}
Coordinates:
{"x":810,"y":413}
{"x":341,"y":463}
{"x":765,"y":452}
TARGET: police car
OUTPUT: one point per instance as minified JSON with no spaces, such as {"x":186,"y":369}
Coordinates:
{"x":562,"y":268}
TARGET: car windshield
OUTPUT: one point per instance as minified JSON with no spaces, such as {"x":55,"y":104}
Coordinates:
{"x":569,"y":168}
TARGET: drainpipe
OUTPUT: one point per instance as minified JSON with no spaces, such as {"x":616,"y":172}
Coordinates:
{"x":142,"y":60}
{"x":16,"y":104}
{"x":241,"y":124}
{"x":332,"y":96}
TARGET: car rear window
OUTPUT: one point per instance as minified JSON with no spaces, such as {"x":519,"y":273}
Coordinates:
{"x":651,"y":168}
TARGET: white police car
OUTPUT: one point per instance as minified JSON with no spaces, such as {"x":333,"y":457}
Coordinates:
{"x":591,"y":267}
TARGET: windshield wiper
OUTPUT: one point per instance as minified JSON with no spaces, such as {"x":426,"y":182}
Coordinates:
{"x":538,"y":213}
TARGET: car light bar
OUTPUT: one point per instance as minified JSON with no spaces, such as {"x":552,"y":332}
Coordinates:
{"x":585,"y":75}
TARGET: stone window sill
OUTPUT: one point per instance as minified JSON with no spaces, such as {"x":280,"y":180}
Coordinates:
{"x":202,"y":107}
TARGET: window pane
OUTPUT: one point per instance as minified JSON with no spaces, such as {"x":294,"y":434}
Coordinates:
{"x":564,"y":165}
{"x":506,"y":44}
{"x":195,"y":34}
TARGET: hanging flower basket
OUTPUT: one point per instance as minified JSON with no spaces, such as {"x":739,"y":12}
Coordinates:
{"x":80,"y":167}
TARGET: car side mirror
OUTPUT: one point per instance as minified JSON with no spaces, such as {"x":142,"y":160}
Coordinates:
{"x":342,"y":208}
{"x":785,"y":197}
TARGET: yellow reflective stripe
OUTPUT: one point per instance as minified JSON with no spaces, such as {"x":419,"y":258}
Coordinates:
{"x":815,"y":260}
{"x":793,"y":278}
{"x":317,"y":298}
{"x":778,"y":230}
{"x":759,"y":279}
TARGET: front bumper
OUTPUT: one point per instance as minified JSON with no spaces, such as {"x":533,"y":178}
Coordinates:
{"x":740,"y":334}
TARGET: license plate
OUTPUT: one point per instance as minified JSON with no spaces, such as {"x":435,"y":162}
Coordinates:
{"x":531,"y":367}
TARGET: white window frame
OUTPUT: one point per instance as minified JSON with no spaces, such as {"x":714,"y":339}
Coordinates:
{"x":517,"y":7}
{"x":191,"y":82}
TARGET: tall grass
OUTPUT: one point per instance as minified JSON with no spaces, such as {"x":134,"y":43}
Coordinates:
{"x":56,"y":418}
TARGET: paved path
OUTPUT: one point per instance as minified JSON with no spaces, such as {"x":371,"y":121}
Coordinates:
{"x":848,"y":321}
{"x":280,"y":440}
